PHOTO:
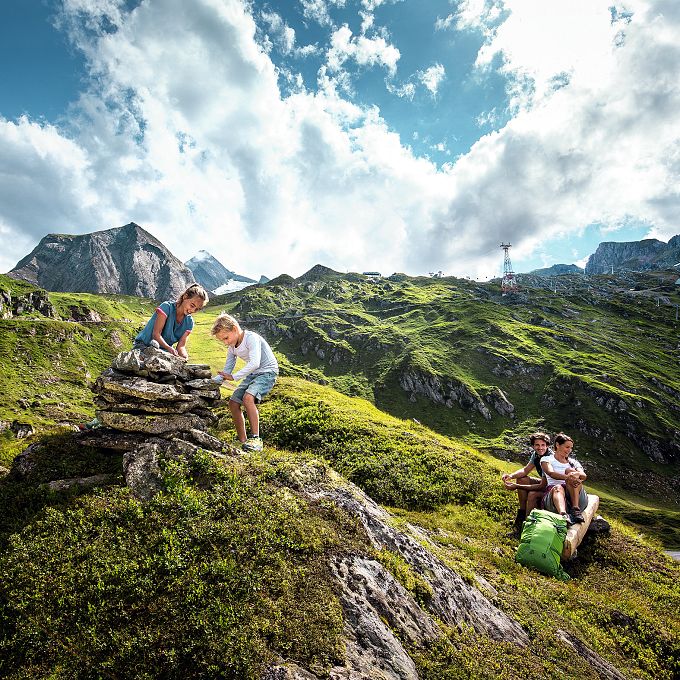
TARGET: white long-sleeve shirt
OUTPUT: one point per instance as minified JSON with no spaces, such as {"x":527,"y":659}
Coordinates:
{"x":257,"y":354}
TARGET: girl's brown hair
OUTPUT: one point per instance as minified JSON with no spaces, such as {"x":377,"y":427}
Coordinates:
{"x":194,"y":290}
{"x":562,"y":438}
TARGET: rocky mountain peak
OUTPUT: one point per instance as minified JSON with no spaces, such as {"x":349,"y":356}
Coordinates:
{"x":643,"y":255}
{"x":318,"y":271}
{"x":213,"y":275}
{"x":125,"y":260}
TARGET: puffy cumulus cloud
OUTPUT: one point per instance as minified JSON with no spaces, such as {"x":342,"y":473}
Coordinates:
{"x":191,"y":138}
{"x":361,"y":49}
{"x":432,"y":77}
{"x":284,"y":36}
{"x":602,"y":148}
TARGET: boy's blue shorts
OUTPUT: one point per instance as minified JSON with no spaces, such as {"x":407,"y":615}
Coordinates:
{"x":257,"y":384}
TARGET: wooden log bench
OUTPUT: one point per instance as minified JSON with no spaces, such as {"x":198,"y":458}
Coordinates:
{"x":576,"y":532}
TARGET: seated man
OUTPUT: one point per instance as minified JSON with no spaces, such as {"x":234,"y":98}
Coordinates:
{"x":565,"y":478}
{"x":529,"y":489}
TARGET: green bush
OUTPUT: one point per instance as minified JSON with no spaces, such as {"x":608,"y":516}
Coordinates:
{"x":197,"y":583}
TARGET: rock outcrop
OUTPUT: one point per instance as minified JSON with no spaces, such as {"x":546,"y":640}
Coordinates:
{"x":34,"y":302}
{"x":443,"y":390}
{"x":211,"y":273}
{"x":154,"y":406}
{"x":634,"y":256}
{"x":125,"y":260}
{"x":384,"y":624}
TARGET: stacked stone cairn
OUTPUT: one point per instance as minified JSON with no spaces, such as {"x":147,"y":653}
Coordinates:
{"x":154,"y":406}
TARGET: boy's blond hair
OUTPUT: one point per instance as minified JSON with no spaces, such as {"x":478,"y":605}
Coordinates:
{"x":224,"y":322}
{"x":194,"y":290}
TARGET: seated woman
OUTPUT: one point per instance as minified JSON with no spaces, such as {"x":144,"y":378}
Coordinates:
{"x":529,"y":489}
{"x":565,"y":478}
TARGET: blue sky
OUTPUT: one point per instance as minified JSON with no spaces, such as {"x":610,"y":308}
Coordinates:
{"x":391,"y":135}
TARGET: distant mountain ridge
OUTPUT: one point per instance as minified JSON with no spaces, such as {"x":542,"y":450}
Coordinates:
{"x":558,"y":270}
{"x":642,"y":255}
{"x":213,"y":275}
{"x":124,"y":260}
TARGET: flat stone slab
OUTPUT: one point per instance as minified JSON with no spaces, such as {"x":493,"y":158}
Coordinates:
{"x":85,"y":482}
{"x":115,"y":440}
{"x":151,"y":424}
{"x":141,"y":389}
{"x":147,"y":406}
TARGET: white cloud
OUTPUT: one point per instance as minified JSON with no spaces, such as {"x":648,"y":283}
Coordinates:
{"x":191,"y":138}
{"x":284,"y":36}
{"x":432,"y":78}
{"x":361,"y":49}
{"x":446,"y":23}
{"x":318,"y":10}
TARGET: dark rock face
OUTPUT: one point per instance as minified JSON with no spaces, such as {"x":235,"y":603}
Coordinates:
{"x":634,"y":256}
{"x":211,"y":273}
{"x":125,"y":260}
{"x":35,"y":302}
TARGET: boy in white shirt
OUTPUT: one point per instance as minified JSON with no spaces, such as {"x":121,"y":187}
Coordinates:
{"x":257,"y":376}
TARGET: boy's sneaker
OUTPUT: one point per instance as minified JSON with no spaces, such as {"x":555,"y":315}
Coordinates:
{"x":568,"y":519}
{"x":577,"y":515}
{"x":253,"y":444}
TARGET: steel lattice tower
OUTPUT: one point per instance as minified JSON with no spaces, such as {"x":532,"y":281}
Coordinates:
{"x":508,"y":282}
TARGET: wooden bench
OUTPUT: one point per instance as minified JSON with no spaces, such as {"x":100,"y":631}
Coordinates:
{"x":576,"y":532}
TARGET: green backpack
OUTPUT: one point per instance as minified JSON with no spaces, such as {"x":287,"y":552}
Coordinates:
{"x":541,"y":543}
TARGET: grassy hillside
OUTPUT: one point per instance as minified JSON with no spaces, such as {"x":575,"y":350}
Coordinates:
{"x":48,"y":362}
{"x":597,"y":359}
{"x":228,"y":568}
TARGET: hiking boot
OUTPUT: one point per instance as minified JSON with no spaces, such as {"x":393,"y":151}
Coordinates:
{"x":253,"y":444}
{"x":577,"y":515}
{"x":567,"y":519}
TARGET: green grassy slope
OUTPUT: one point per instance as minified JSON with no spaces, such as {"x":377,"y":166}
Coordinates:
{"x":47,"y":363}
{"x":598,"y":360}
{"x":228,"y":568}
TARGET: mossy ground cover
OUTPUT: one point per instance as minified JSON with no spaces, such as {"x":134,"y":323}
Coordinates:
{"x":624,"y":594}
{"x":229,"y":566}
{"x":216,"y":577}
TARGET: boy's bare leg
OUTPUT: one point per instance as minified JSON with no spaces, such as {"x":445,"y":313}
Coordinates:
{"x":253,"y":414}
{"x":239,"y":422}
{"x":533,"y":500}
{"x":522,"y":494}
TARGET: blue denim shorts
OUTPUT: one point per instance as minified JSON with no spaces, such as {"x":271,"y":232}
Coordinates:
{"x":257,"y":384}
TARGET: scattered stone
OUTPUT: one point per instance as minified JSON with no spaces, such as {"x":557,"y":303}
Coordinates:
{"x":602,"y":668}
{"x":95,"y":480}
{"x":599,"y":525}
{"x":114,"y":440}
{"x":21,"y":430}
{"x":24,"y":463}
{"x":3,"y":471}
{"x":142,"y":470}
{"x":151,"y":424}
